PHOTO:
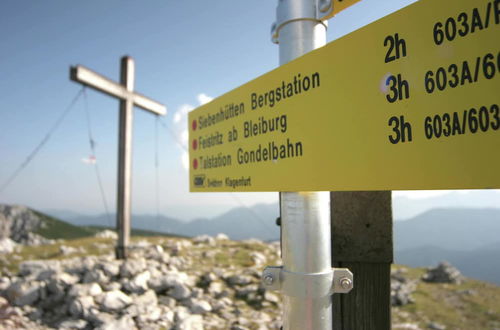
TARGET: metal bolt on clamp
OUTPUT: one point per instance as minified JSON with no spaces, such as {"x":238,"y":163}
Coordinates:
{"x":310,"y":285}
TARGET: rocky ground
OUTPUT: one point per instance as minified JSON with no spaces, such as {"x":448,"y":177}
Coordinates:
{"x":168,"y":284}
{"x":174,"y":283}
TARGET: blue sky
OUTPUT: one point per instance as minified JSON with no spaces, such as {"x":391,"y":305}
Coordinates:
{"x":185,"y":52}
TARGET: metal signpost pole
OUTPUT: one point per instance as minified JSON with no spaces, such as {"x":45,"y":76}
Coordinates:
{"x":305,"y":216}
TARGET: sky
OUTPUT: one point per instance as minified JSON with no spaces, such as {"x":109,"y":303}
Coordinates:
{"x":186,"y":53}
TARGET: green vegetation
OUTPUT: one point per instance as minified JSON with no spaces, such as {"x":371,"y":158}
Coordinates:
{"x":470,"y":305}
{"x":55,"y":229}
{"x":133,"y":232}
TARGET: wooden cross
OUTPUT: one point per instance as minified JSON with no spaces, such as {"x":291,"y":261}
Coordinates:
{"x":124,"y":91}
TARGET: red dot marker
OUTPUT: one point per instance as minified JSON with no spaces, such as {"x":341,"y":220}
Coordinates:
{"x":195,"y":163}
{"x":193,"y":125}
{"x":195,"y":144}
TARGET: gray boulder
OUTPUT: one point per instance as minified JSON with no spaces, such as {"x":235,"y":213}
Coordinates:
{"x":205,"y":239}
{"x":180,"y":291}
{"x":80,"y":306}
{"x":73,"y":324}
{"x":239,"y":280}
{"x":113,"y":301}
{"x":132,"y":267}
{"x":401,"y":289}
{"x":139,"y":283}
{"x":95,"y":275}
{"x":198,"y":306}
{"x":85,"y":289}
{"x":107,"y":234}
{"x":67,"y":250}
{"x":5,"y":282}
{"x":124,"y":322}
{"x":24,"y":293}
{"x":34,"y":267}
{"x":143,"y":304}
{"x":110,"y":268}
{"x":7,"y":245}
{"x":192,"y":322}
{"x":443,"y":273}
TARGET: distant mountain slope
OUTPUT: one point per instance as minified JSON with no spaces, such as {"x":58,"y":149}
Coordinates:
{"x":56,"y":229}
{"x":257,"y":221}
{"x":482,"y":263}
{"x":405,"y":208}
{"x":20,"y":221}
{"x":452,"y":229}
{"x":468,"y":238}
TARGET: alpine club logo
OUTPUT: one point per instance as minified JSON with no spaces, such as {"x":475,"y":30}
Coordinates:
{"x":199,"y":181}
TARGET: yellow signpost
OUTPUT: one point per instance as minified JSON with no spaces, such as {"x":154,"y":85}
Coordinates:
{"x":338,"y":6}
{"x":411,"y":101}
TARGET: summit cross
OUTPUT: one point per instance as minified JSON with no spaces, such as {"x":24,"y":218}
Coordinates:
{"x":124,"y":91}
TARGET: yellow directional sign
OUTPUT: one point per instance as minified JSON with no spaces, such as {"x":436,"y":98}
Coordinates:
{"x":411,"y":101}
{"x":338,"y":6}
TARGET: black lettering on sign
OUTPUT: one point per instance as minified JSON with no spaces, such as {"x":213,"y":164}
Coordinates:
{"x":397,"y":48}
{"x":399,"y":88}
{"x":467,"y":22}
{"x":484,"y":119}
{"x":401,"y":129}
{"x":486,"y":66}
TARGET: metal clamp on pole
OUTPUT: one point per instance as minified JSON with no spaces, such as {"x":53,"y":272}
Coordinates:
{"x":302,"y":285}
{"x":290,"y":11}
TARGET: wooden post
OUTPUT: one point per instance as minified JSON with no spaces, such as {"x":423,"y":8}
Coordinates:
{"x":362,"y":242}
{"x":124,"y":91}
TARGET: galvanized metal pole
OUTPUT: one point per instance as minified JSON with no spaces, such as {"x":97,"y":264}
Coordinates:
{"x":305,"y":216}
{"x":124,"y":159}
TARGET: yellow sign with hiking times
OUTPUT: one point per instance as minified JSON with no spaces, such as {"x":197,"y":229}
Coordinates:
{"x":409,"y":102}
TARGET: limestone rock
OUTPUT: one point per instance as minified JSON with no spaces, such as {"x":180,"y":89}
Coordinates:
{"x":7,"y":245}
{"x":67,"y":250}
{"x":239,"y":280}
{"x":107,"y":234}
{"x":34,"y":267}
{"x":180,"y":291}
{"x":139,"y":283}
{"x":143,"y":304}
{"x":24,"y":293}
{"x":95,"y":275}
{"x":80,"y":306}
{"x":222,"y":237}
{"x":110,"y":268}
{"x":436,"y":326}
{"x":125,"y":322}
{"x":443,"y":273}
{"x":114,"y":301}
{"x":406,"y":326}
{"x":192,"y":322}
{"x":4,"y":283}
{"x":271,"y":297}
{"x":258,"y":258}
{"x":132,"y":267}
{"x":197,"y":306}
{"x":205,"y":239}
{"x":215,"y":288}
{"x":85,"y":289}
{"x":73,"y":324}
{"x":401,"y":289}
